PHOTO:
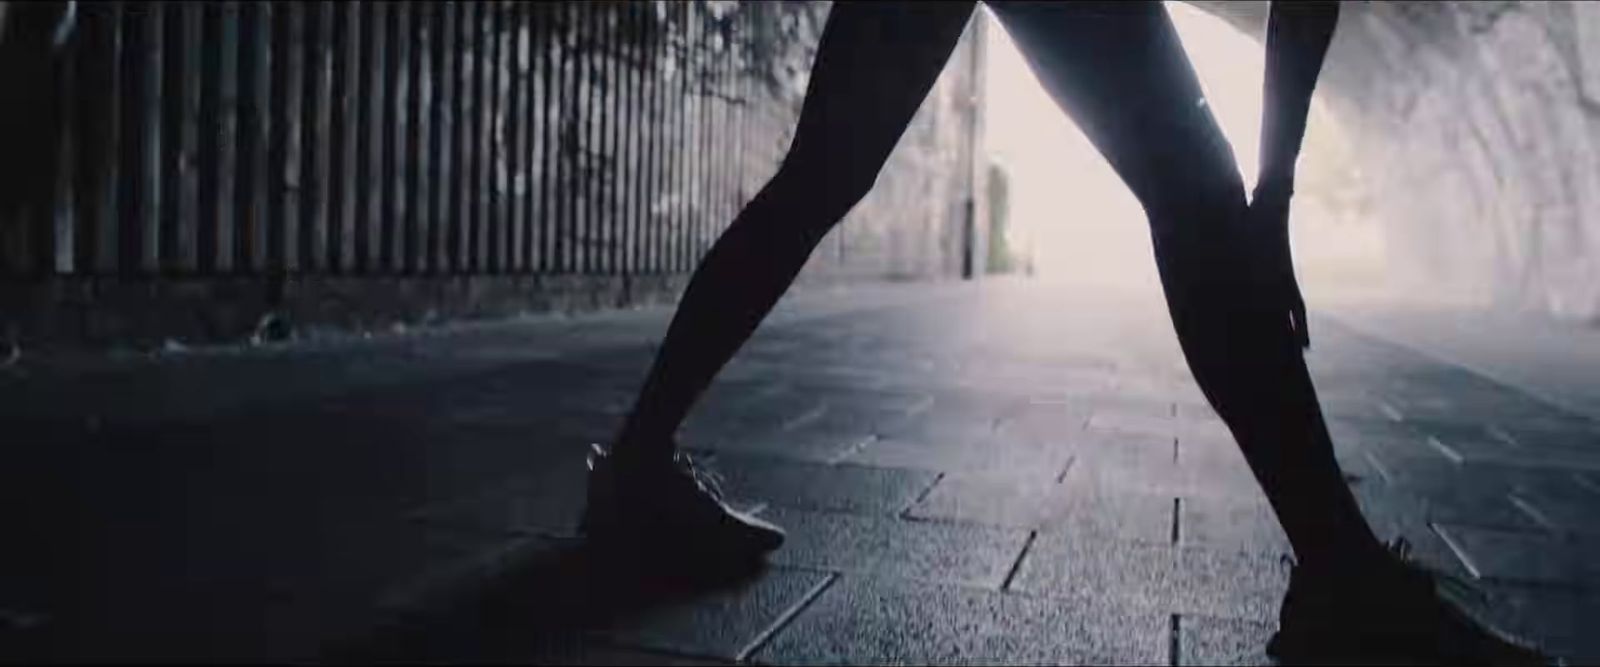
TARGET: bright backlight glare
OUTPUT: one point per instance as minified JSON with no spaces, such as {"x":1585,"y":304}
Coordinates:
{"x":1067,"y":206}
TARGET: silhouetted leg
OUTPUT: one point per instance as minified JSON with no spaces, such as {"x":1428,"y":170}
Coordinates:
{"x":1120,"y":71}
{"x":875,"y":64}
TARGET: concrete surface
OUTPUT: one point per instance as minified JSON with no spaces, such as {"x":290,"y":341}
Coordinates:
{"x":971,"y":473}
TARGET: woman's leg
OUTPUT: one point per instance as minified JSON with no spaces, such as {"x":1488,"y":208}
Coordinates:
{"x":1121,"y":72}
{"x":874,"y":66}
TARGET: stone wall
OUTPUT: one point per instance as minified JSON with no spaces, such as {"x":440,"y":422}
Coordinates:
{"x":1474,"y":125}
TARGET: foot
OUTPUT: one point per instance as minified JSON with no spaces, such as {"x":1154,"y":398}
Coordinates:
{"x":673,"y":511}
{"x":1393,"y":611}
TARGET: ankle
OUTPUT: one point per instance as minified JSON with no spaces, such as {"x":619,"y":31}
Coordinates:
{"x":634,"y":455}
{"x":1349,"y":562}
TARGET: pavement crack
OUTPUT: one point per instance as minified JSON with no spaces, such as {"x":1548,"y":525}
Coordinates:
{"x":1177,"y":512}
{"x":1448,"y":451}
{"x":1174,"y":641}
{"x":852,"y":450}
{"x":1390,"y":411}
{"x":1458,"y":550}
{"x":1016,"y":565}
{"x":921,"y":495}
{"x":1061,"y":477}
{"x":1383,"y":473}
{"x":1533,"y":512}
{"x":783,"y":619}
{"x":805,"y":418}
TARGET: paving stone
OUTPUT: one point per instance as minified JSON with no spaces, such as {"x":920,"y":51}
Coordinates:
{"x":1204,"y":640}
{"x":592,"y":653}
{"x":861,"y":621}
{"x":1394,"y":517}
{"x":1050,"y":424}
{"x":811,"y":441}
{"x":722,"y":624}
{"x":1559,"y":621}
{"x":992,"y":458}
{"x":1560,"y":503}
{"x":995,"y":502}
{"x":1231,"y":524}
{"x":1123,"y":449}
{"x":1151,"y":576}
{"x":486,"y":442}
{"x":1552,"y":432}
{"x":891,"y":547}
{"x":1523,"y":557}
{"x":1088,"y":513}
{"x":1369,"y":430}
{"x":548,"y":504}
{"x":846,"y":488}
{"x":1163,"y":426}
{"x":1478,"y":495}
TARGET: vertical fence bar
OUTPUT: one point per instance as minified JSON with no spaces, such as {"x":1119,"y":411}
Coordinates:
{"x":547,"y":210}
{"x":667,"y":155}
{"x":605,"y":167}
{"x":730,"y":123}
{"x":600,"y":113}
{"x":498,"y":143}
{"x":627,"y":128}
{"x":345,"y":136}
{"x":444,"y":139}
{"x":729,"y":126}
{"x":465,"y":101}
{"x":255,"y":125}
{"x":397,"y":149}
{"x":652,"y":149}
{"x":623,"y":126}
{"x":533,"y":135}
{"x":620,"y":130}
{"x":578,"y":146}
{"x":100,"y":149}
{"x":608,"y":166}
{"x":288,"y":90}
{"x":219,"y":141}
{"x":682,"y":229}
{"x":659,"y":48}
{"x":146,"y":169}
{"x":177,"y":217}
{"x":719,"y":128}
{"x":418,"y":181}
{"x":583,"y":148}
{"x":516,"y":57}
{"x":565,"y":128}
{"x":484,"y":118}
{"x":315,"y":136}
{"x":373,"y":63}
{"x":58,"y":250}
{"x":634,"y":129}
{"x":697,"y":153}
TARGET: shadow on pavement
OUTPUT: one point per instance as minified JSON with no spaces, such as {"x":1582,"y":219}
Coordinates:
{"x":544,"y":606}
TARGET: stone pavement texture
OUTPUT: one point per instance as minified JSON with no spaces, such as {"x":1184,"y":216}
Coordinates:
{"x":1003,"y":472}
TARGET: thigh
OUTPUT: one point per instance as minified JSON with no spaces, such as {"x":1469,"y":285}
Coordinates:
{"x":875,"y":64}
{"x":1119,"y":70}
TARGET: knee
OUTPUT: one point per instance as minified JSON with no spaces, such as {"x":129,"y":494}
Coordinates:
{"x":829,"y":187}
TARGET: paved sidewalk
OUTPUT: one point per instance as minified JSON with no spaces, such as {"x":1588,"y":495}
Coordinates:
{"x":1001,"y":472}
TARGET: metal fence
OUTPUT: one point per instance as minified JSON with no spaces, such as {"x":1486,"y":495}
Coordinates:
{"x":372,"y":138}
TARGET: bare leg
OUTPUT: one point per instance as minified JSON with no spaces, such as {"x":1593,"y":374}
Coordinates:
{"x":1120,"y":71}
{"x":874,"y":66}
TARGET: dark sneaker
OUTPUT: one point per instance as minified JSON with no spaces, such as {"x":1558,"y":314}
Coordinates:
{"x":1394,"y":613}
{"x":672,"y":512}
